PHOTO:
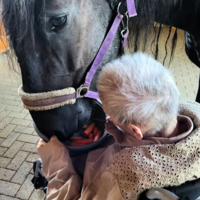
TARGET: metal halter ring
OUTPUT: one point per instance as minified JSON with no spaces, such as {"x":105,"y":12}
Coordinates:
{"x":126,"y":13}
{"x":125,"y":28}
{"x":80,"y":89}
{"x":127,"y":22}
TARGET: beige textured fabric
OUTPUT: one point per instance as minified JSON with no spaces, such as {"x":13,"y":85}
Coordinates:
{"x":120,"y":172}
{"x":185,"y":123}
{"x":46,"y":97}
{"x":158,"y":165}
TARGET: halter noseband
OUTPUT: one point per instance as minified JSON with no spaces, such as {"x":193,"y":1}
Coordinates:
{"x":55,"y":99}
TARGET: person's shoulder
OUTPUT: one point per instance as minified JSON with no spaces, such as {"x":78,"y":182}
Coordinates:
{"x":189,"y":104}
{"x":190,"y":109}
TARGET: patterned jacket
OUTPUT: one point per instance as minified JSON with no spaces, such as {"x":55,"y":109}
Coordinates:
{"x":127,"y":167}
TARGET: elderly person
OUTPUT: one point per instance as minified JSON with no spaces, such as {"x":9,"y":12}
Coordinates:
{"x":156,"y":138}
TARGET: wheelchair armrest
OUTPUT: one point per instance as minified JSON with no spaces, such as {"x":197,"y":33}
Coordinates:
{"x":159,"y":193}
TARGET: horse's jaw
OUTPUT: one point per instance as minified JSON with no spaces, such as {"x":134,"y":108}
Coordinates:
{"x":64,"y":121}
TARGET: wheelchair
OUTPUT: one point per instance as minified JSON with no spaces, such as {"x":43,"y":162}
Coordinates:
{"x":187,"y":191}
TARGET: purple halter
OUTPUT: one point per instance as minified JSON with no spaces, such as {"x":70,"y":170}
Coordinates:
{"x":55,"y":99}
{"x":104,"y":48}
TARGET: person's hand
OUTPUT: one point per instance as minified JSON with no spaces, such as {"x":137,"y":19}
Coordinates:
{"x":41,"y":142}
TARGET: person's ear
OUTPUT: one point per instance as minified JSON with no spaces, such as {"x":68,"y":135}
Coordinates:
{"x":136,"y":131}
{"x":108,"y":119}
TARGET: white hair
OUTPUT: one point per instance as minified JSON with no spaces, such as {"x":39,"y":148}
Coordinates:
{"x":137,"y":89}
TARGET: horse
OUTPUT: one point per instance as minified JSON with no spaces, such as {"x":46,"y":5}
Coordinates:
{"x":56,"y":41}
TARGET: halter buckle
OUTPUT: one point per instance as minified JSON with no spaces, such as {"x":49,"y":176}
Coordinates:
{"x":124,"y":33}
{"x":80,"y":90}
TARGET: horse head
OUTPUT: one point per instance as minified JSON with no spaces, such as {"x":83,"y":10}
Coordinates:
{"x":55,"y":42}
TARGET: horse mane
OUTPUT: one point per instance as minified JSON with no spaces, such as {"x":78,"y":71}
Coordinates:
{"x":141,"y":28}
{"x":19,"y":22}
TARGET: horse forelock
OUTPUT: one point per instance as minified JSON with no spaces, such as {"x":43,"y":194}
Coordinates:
{"x":19,"y":19}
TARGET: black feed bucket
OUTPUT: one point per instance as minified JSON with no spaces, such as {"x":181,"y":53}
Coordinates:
{"x":99,"y":118}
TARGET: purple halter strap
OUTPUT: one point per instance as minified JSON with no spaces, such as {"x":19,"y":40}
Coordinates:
{"x":104,"y":48}
{"x":131,"y":8}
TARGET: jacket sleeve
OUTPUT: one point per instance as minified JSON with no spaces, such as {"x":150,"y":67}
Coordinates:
{"x":105,"y":187}
{"x":63,"y":182}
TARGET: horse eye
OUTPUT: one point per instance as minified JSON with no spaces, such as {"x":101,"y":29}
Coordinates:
{"x":58,"y":22}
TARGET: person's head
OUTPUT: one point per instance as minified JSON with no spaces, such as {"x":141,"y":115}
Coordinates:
{"x":139,"y":94}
